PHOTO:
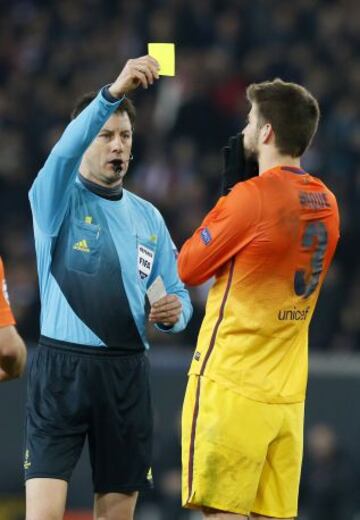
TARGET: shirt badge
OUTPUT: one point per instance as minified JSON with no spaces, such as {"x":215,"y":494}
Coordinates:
{"x":5,"y":291}
{"x":145,"y":261}
{"x":205,"y":236}
{"x":82,"y":246}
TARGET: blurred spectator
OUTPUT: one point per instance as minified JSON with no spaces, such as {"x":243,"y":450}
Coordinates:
{"x":329,"y":478}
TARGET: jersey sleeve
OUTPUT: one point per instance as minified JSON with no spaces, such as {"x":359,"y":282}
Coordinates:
{"x":166,"y":266}
{"x":228,"y":228}
{"x":6,"y":315}
{"x":50,"y":192}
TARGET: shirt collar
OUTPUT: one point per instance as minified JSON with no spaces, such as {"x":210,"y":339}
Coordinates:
{"x":115,"y":193}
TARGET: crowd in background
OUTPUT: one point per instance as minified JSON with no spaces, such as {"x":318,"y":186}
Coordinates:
{"x":52,"y":51}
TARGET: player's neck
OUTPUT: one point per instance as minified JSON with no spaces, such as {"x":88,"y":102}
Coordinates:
{"x":272,"y":160}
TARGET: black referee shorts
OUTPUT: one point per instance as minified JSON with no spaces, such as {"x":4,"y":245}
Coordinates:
{"x":79,"y":392}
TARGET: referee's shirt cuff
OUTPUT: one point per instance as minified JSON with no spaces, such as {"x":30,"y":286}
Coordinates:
{"x":173,"y":329}
{"x":106,"y":95}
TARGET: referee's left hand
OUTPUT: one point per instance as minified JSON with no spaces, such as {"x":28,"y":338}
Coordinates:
{"x":166,"y":311}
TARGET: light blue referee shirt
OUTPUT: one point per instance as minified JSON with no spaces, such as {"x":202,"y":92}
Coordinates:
{"x":95,"y":256}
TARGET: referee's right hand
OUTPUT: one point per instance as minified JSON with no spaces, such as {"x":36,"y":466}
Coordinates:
{"x":140,"y":71}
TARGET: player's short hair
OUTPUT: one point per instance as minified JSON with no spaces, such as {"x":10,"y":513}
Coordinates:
{"x":126,"y":105}
{"x":292,"y":111}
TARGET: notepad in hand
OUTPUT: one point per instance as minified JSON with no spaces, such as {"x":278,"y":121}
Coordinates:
{"x":156,"y":291}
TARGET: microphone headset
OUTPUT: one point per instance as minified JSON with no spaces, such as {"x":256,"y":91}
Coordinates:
{"x":117,"y":165}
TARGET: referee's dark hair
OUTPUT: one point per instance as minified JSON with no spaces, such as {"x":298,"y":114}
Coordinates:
{"x":125,"y":106}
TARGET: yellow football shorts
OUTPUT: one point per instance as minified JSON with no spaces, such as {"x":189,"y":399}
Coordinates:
{"x":240,"y":455}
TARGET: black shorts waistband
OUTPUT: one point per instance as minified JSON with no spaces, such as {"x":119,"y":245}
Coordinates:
{"x":78,"y":348}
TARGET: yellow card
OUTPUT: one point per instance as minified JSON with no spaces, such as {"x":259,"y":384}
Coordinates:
{"x":164,"y":53}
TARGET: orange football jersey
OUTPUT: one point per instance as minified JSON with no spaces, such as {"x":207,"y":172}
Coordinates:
{"x":6,"y":316}
{"x":269,"y":244}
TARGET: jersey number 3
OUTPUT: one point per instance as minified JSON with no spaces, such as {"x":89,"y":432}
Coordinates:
{"x":314,"y":231}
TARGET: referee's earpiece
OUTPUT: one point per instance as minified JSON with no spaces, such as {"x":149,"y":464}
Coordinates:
{"x":131,"y":157}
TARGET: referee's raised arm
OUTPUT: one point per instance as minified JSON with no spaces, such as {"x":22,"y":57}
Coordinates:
{"x":50,"y":192}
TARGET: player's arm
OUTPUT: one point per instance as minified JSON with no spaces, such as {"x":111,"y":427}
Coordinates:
{"x":51,"y":189}
{"x":12,"y":348}
{"x":173,"y":312}
{"x":228,"y":228}
{"x":12,"y":353}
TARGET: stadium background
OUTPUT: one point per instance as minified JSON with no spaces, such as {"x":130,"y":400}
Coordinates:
{"x":53,"y":51}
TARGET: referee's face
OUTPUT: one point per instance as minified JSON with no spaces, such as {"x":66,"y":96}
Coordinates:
{"x":107,"y":159}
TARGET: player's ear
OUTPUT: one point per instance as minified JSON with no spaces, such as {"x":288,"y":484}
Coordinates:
{"x":266,"y":133}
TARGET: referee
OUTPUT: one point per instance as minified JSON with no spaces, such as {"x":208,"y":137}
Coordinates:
{"x":99,"y":247}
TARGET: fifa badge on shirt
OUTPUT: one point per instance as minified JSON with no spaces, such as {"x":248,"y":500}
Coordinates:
{"x":145,"y":261}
